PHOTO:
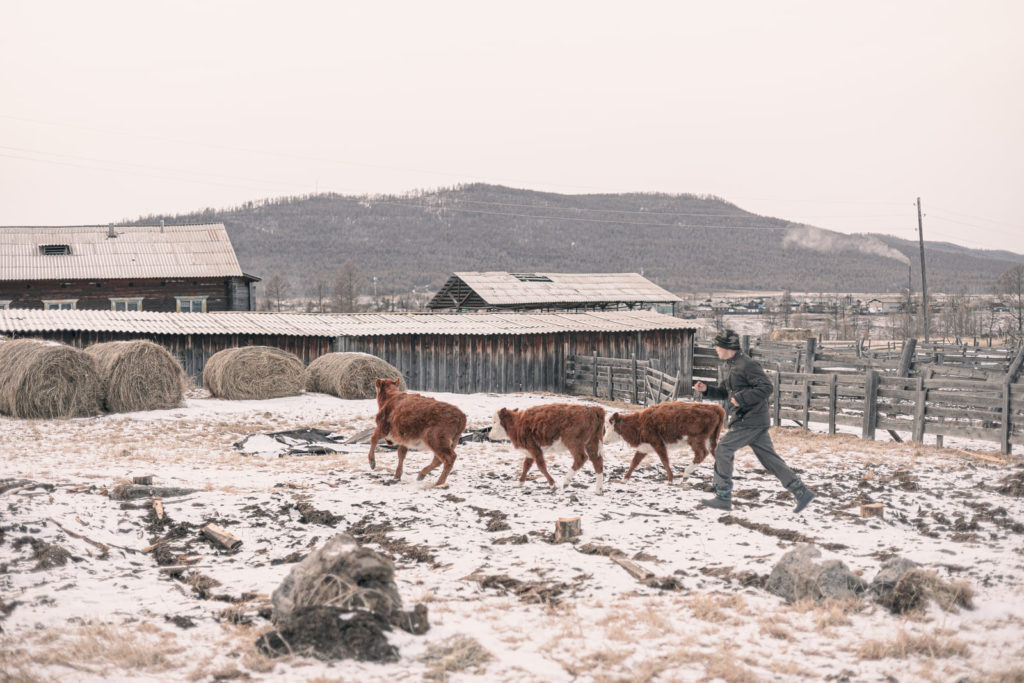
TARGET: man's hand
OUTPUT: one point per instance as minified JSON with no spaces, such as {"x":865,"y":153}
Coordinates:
{"x":700,"y":387}
{"x":734,"y":402}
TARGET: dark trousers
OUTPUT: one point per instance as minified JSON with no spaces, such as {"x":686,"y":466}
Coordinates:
{"x":761,"y":443}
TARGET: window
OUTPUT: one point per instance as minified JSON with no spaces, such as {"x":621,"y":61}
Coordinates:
{"x":530,"y":277}
{"x":55,"y":249}
{"x":131,"y":303}
{"x":60,"y":304}
{"x":5,"y":304}
{"x":191,"y":304}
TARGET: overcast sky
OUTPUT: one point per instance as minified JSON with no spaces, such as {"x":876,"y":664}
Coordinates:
{"x":833,"y":114}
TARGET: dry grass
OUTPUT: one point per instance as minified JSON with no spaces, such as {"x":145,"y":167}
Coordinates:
{"x":95,"y":649}
{"x":138,"y":375}
{"x":725,"y":665}
{"x":44,"y":380}
{"x":456,"y":654}
{"x":908,"y":645}
{"x":712,"y":607}
{"x":776,"y":627}
{"x":350,"y":375}
{"x":254,"y":372}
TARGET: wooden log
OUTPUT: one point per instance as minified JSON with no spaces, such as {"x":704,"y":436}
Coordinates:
{"x":567,"y":528}
{"x":221,"y":537}
{"x":872,"y":510}
{"x":635,"y":570}
{"x":870,"y":414}
{"x":158,"y":507}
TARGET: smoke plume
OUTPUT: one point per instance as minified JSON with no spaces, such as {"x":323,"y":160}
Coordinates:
{"x":824,"y":240}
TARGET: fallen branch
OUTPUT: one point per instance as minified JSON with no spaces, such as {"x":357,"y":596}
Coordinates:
{"x":105,"y":549}
{"x":221,"y":537}
{"x":635,"y":570}
{"x":158,"y":507}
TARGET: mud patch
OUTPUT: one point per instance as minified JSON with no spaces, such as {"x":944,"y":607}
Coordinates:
{"x":46,"y":555}
{"x":743,"y":578}
{"x":496,"y":519}
{"x":517,"y":539}
{"x":1011,"y":485}
{"x":783,"y":534}
{"x":532,"y":592}
{"x":328,"y":633}
{"x":365,"y":531}
{"x":310,"y":515}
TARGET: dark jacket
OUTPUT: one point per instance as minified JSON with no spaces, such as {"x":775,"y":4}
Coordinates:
{"x":744,"y":380}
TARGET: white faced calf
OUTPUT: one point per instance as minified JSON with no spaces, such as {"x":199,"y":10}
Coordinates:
{"x":577,"y":429}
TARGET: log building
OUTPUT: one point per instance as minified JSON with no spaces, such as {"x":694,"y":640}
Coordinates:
{"x":179,"y":268}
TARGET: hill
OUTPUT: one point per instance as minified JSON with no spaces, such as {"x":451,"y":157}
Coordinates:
{"x":685,"y":243}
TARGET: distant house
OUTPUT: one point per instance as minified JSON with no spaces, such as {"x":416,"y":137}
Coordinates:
{"x":180,"y":268}
{"x":500,"y":291}
{"x":886,"y":304}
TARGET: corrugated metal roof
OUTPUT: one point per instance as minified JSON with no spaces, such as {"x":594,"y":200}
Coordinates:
{"x":499,"y":288}
{"x":137,"y":252}
{"x":25,"y":322}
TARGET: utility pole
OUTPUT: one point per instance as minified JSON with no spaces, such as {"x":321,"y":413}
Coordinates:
{"x":924,"y":280}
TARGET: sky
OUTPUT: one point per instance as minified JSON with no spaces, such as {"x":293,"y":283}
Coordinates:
{"x":836,"y":115}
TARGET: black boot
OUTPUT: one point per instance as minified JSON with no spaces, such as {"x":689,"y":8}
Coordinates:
{"x":803,"y":496}
{"x":717,"y":503}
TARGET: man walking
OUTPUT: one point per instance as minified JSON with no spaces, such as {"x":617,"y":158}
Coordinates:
{"x":747,"y":389}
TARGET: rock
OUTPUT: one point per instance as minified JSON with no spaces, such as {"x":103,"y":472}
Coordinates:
{"x":892,"y":570}
{"x":797,"y":576}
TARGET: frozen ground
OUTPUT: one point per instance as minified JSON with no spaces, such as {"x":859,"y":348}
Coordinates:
{"x":504,"y":602}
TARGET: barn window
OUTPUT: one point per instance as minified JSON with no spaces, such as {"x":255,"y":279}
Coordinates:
{"x":131,"y":303}
{"x":191,"y":304}
{"x":530,"y":277}
{"x":60,"y":304}
{"x":54,"y":249}
{"x":5,"y":304}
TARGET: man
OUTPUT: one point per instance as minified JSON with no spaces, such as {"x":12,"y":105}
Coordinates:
{"x":747,"y":388}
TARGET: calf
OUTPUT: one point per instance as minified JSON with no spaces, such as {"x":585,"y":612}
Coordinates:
{"x":414,"y":421}
{"x":578,"y":429}
{"x":664,"y":425}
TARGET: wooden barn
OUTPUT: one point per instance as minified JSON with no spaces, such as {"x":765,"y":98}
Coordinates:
{"x":498,"y":291}
{"x":179,"y":268}
{"x":466,"y":353}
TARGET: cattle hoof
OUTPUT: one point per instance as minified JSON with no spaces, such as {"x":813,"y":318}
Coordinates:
{"x":373,"y":464}
{"x":420,"y":477}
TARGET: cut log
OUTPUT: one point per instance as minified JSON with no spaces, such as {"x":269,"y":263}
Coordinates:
{"x":872,"y":510}
{"x":635,"y":570}
{"x":221,"y":537}
{"x":144,"y":481}
{"x":158,"y":507}
{"x":567,"y":528}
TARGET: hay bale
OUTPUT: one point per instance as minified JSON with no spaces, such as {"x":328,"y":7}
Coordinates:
{"x":791,"y":334}
{"x":42,"y":380}
{"x":254,"y":372}
{"x":350,"y":375}
{"x":138,"y":375}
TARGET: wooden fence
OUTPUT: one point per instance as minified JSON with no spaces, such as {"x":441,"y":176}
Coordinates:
{"x":623,"y":379}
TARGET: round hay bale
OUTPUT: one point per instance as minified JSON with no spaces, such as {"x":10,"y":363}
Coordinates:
{"x":138,"y":375}
{"x":42,"y":380}
{"x":350,"y":375}
{"x":791,"y":334}
{"x":254,"y":372}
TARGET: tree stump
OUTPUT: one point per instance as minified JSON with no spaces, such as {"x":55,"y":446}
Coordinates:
{"x":145,"y":480}
{"x":567,"y":528}
{"x":872,"y":510}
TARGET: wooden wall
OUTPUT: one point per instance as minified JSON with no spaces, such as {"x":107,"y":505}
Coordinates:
{"x":222,"y":294}
{"x":513,"y":362}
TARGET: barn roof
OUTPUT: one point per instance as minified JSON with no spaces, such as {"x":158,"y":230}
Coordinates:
{"x":89,"y":252}
{"x":25,"y":322}
{"x":511,"y":289}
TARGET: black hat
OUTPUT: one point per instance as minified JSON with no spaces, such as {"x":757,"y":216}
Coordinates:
{"x":727,"y":339}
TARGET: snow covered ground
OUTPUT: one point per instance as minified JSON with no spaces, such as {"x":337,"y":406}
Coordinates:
{"x":505,"y":603}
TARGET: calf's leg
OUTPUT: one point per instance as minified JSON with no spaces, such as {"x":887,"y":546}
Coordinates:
{"x":637,"y":459}
{"x":402,"y":450}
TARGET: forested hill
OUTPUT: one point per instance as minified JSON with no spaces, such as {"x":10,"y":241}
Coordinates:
{"x":685,"y":243}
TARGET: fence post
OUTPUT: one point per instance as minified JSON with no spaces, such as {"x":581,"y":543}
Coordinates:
{"x":745,"y":344}
{"x":919,"y":408}
{"x":870,"y":404}
{"x":595,"y":372}
{"x":833,"y":396}
{"x":807,"y":404}
{"x":636,"y":397}
{"x":906,"y":358}
{"x":777,"y":396}
{"x":809,"y":354}
{"x":1004,"y":446}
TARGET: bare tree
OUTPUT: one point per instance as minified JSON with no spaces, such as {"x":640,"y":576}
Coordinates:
{"x":346,"y":287}
{"x":1010,"y":290}
{"x":786,"y":307}
{"x":318,"y":291}
{"x":277,"y":290}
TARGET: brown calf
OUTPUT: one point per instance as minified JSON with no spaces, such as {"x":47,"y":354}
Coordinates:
{"x":578,"y":429}
{"x":665,"y":425}
{"x":414,"y":421}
